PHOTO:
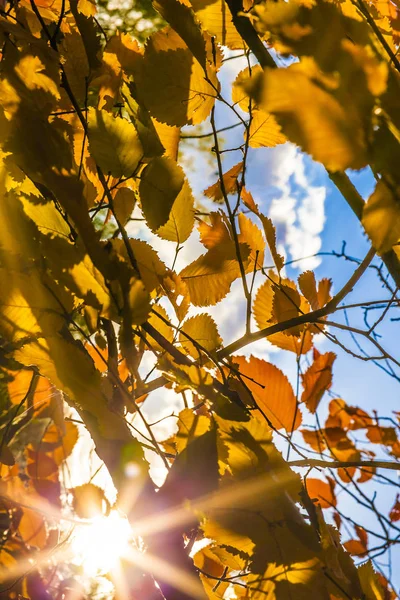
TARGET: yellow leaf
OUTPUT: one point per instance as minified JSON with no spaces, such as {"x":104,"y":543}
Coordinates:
{"x":75,"y":61}
{"x":286,"y":304}
{"x":268,"y":226}
{"x":308,"y":287}
{"x":114,"y":143}
{"x":169,"y":137}
{"x":216,"y":18}
{"x":166,"y":199}
{"x":311,"y":117}
{"x":152,"y":269}
{"x":381,"y":218}
{"x":139,"y":302}
{"x":87,"y":7}
{"x":272,"y":392}
{"x":376,"y":71}
{"x":182,"y":20}
{"x":264,"y":316}
{"x":162,"y":327}
{"x":251,"y":235}
{"x":181,"y":218}
{"x":31,"y":72}
{"x":124,"y":203}
{"x":240,"y":97}
{"x":203,"y":330}
{"x":190,"y":426}
{"x":209,"y":277}
{"x":264,"y":131}
{"x":172,"y":81}
{"x":370,"y":583}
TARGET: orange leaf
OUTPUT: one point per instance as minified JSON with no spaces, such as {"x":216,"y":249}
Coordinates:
{"x":32,"y":528}
{"x":272,"y":392}
{"x":322,"y":492}
{"x":24,"y":384}
{"x":214,"y":233}
{"x":317,"y":379}
{"x":346,"y":474}
{"x":355,"y":547}
{"x":394,"y":514}
{"x":358,"y":547}
{"x":308,"y":287}
{"x":315,"y":439}
{"x":382,"y":435}
{"x":229,"y":182}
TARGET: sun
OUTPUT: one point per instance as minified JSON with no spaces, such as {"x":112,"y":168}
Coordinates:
{"x":99,"y":545}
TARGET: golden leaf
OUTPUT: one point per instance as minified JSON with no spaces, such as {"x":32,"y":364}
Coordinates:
{"x":209,"y":277}
{"x":216,"y":18}
{"x":172,"y":81}
{"x":381,"y":218}
{"x":166,"y":199}
{"x":311,"y":117}
{"x":114,"y":143}
{"x":264,"y":131}
{"x":203,"y":330}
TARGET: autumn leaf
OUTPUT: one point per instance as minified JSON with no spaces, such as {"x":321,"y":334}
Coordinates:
{"x":317,"y":379}
{"x":218,"y":190}
{"x":209,"y":277}
{"x":166,"y":199}
{"x":89,"y":501}
{"x":381,"y":218}
{"x":114,"y":143}
{"x":272,"y":391}
{"x":172,"y":83}
{"x":311,"y":117}
{"x":321,"y":491}
{"x":201,"y":329}
{"x":358,"y":547}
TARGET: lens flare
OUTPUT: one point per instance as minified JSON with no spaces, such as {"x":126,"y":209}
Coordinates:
{"x":99,"y":546}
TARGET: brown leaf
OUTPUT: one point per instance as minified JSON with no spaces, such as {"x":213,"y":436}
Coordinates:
{"x":317,"y":379}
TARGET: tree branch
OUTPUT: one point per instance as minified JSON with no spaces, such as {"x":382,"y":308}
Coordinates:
{"x":311,"y":317}
{"x":338,"y":464}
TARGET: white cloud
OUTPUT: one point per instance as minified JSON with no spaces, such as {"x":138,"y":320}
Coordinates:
{"x":297,"y":208}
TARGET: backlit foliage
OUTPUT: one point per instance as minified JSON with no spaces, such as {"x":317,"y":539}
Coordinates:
{"x":90,"y":131}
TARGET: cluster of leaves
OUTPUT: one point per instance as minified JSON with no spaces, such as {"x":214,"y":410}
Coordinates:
{"x":90,"y":132}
